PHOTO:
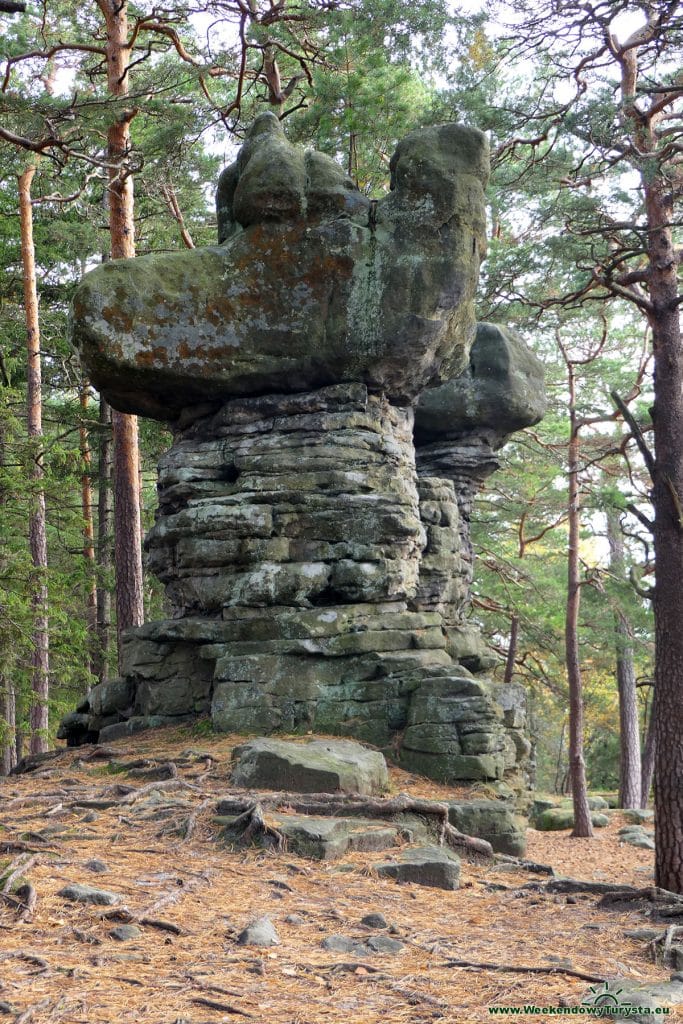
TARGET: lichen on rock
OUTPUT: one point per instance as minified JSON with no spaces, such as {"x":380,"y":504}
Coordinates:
{"x":313,"y":283}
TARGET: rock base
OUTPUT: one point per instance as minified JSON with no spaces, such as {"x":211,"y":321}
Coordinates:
{"x":317,"y":584}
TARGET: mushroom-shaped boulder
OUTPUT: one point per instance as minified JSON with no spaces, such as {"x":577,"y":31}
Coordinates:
{"x":313,"y":284}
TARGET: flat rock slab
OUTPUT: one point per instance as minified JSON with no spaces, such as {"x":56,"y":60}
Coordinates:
{"x":374,"y":920}
{"x":330,"y":838}
{"x":424,"y":865}
{"x":86,"y":894}
{"x":319,"y":766}
{"x":358,"y":947}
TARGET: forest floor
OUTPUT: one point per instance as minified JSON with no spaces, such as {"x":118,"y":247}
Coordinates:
{"x":60,"y":963}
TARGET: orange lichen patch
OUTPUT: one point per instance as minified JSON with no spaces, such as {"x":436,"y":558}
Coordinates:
{"x":152,"y":358}
{"x":210,"y":893}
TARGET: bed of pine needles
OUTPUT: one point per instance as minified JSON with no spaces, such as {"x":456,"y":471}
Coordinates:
{"x":191,"y":896}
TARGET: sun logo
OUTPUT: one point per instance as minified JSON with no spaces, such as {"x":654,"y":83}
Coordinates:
{"x":604,"y":995}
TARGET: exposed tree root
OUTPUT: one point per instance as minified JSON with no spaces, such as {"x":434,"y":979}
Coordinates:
{"x":223,"y":1007}
{"x":664,"y":903}
{"x":326,"y":804}
{"x":251,"y":827}
{"x":29,"y":898}
{"x":523,"y":969}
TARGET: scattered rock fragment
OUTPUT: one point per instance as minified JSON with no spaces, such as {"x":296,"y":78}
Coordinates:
{"x":423,"y":865}
{"x":638,"y":839}
{"x":357,"y":947}
{"x":260,"y":932}
{"x":492,"y":820}
{"x":374,"y":920}
{"x":96,"y":866}
{"x":126,"y":933}
{"x":86,"y":894}
{"x":384,"y":944}
{"x":343,"y":944}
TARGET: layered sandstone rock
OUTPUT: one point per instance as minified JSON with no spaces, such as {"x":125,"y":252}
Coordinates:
{"x":317,"y":574}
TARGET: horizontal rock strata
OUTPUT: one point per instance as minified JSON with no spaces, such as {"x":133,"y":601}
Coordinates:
{"x":313,"y":530}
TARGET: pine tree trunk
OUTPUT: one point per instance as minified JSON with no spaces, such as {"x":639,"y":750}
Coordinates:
{"x":663,"y":313}
{"x":105,"y":508}
{"x":127,"y":528}
{"x":629,"y":731}
{"x":577,"y":768}
{"x":667,"y":498}
{"x":40,"y":679}
{"x":88,"y":531}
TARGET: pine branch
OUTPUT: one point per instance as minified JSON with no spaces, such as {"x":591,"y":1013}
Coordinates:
{"x":629,"y":418}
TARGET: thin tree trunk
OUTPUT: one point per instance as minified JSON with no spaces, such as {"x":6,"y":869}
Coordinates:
{"x":559,"y":774}
{"x":512,"y":650}
{"x":88,"y":531}
{"x":8,"y":706}
{"x":105,"y":508}
{"x":582,"y":816}
{"x":629,"y":731}
{"x":19,"y":733}
{"x":40,"y":679}
{"x":647,"y":765}
{"x":169,"y":194}
{"x":127,"y":528}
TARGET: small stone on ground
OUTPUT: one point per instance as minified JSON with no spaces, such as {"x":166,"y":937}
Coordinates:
{"x":86,"y":894}
{"x":423,"y":865}
{"x":126,"y":932}
{"x":260,"y":932}
{"x":374,"y":920}
{"x":97,"y":866}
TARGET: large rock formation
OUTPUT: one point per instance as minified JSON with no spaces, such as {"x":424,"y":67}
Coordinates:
{"x":317,"y":573}
{"x":313,"y":284}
